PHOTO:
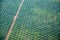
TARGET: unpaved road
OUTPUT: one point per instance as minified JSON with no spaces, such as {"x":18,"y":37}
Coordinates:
{"x":15,"y":17}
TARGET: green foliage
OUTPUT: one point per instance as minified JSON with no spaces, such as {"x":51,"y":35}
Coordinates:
{"x":37,"y":20}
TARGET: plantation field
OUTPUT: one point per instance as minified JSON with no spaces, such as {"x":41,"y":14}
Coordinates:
{"x":37,"y":19}
{"x":8,"y":9}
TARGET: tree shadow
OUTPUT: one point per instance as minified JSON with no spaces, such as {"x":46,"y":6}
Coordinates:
{"x":1,"y":38}
{"x":58,"y":36}
{"x":1,"y":1}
